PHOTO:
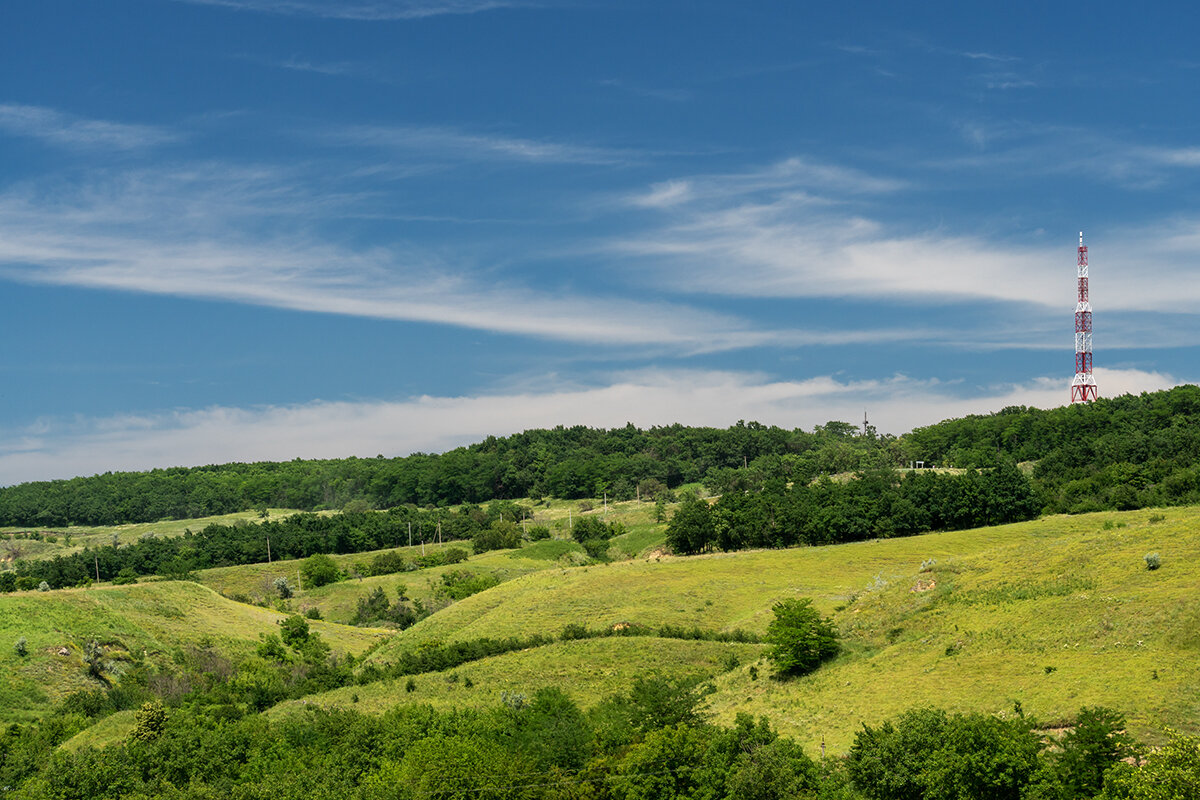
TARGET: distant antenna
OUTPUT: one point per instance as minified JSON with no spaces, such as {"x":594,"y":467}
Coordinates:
{"x":865,"y":423}
{"x":1083,"y":388}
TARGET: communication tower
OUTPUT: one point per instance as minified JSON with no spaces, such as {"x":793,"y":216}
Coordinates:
{"x":1083,"y":388}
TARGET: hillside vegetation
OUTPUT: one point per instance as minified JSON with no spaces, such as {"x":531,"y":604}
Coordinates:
{"x":1051,"y":615}
{"x":140,"y":624}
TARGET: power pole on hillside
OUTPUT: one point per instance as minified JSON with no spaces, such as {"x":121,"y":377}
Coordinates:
{"x":410,"y":533}
{"x":268,"y":549}
{"x":97,"y":568}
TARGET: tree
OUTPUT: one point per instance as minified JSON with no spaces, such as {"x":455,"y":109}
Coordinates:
{"x":319,"y":570}
{"x":149,"y":721}
{"x":294,"y":631}
{"x":1169,"y":773}
{"x":800,"y":638}
{"x":691,"y":528}
{"x":1097,"y":741}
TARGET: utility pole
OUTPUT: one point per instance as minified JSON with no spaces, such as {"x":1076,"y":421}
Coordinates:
{"x":410,"y":533}
{"x":268,"y":549}
{"x":97,"y":568}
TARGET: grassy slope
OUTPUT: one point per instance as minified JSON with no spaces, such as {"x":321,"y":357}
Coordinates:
{"x":588,"y":670}
{"x":150,"y":618}
{"x":83,"y":536}
{"x":1062,"y":592}
{"x":337,"y":601}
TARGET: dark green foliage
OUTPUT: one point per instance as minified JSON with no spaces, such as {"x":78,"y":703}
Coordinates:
{"x":800,"y":639}
{"x":691,"y":529}
{"x":460,"y":584}
{"x":1096,"y":743}
{"x":21,"y":648}
{"x":1153,"y":561}
{"x":562,"y":462}
{"x":596,"y":548}
{"x":149,"y":721}
{"x":927,"y":755}
{"x":388,"y":564}
{"x":376,"y":609}
{"x":1171,"y":772}
{"x":294,"y":630}
{"x":585,"y":529}
{"x":537,"y":533}
{"x":319,"y":570}
{"x":501,"y":535}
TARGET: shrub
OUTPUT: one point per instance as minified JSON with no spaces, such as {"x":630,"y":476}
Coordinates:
{"x":320,"y":570}
{"x":312,"y":612}
{"x":294,"y":630}
{"x":1153,"y":562}
{"x":149,"y":721}
{"x":1157,"y":518}
{"x":800,"y":639}
{"x":43,"y":587}
{"x":596,"y":548}
{"x":411,"y":686}
{"x":388,"y":564}
{"x":283,"y":587}
{"x":454,"y":555}
{"x":21,"y":648}
{"x":125,"y":577}
{"x":537,"y":533}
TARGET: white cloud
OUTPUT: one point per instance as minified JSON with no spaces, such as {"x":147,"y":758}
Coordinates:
{"x":753,"y":237}
{"x":240,"y":235}
{"x":468,"y":146}
{"x":68,"y":130}
{"x":378,"y":10}
{"x":337,"y":429}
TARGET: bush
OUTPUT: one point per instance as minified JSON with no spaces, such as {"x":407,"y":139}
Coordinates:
{"x":1153,"y":562}
{"x":43,"y":587}
{"x":283,"y":587}
{"x":537,"y":533}
{"x":388,"y":564}
{"x":21,"y":648}
{"x":312,"y":612}
{"x":454,"y":555}
{"x":294,"y":630}
{"x":800,"y":639}
{"x":320,"y":570}
{"x":125,"y":577}
{"x":596,"y":548}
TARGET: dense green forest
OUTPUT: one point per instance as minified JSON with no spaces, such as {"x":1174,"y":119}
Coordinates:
{"x":651,"y":742}
{"x":1120,"y":453}
{"x":878,"y":504}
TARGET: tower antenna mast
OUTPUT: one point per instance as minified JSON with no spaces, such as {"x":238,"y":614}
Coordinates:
{"x":1083,"y":388}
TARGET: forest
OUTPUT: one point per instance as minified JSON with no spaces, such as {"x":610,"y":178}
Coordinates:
{"x":650,"y":742}
{"x":1117,"y":453}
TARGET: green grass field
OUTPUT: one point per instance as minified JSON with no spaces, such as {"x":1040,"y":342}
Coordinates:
{"x":1053,"y":614}
{"x":147,"y":620}
{"x":589,"y":670}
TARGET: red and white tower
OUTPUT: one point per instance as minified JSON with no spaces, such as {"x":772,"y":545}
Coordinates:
{"x":1083,"y":388}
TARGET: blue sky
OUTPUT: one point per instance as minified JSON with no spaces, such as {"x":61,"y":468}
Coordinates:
{"x":268,"y":229}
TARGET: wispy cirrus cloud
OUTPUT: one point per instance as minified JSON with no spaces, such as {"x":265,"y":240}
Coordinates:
{"x":247,"y":236}
{"x":68,"y":130}
{"x":60,"y":449}
{"x":463,"y":145}
{"x":744,"y":236}
{"x":369,"y":10}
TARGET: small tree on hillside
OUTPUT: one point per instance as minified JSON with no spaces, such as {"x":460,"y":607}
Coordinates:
{"x":319,"y":570}
{"x":800,"y":638}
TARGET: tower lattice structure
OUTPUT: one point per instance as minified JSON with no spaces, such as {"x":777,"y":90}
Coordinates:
{"x":1083,"y":388}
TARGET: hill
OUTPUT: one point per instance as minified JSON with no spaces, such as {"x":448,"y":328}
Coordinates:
{"x":148,"y":622}
{"x":1050,"y":615}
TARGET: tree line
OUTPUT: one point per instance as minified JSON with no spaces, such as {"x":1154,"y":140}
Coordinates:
{"x":561,"y":462}
{"x":295,"y":536}
{"x":877,"y":504}
{"x":1117,"y":453}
